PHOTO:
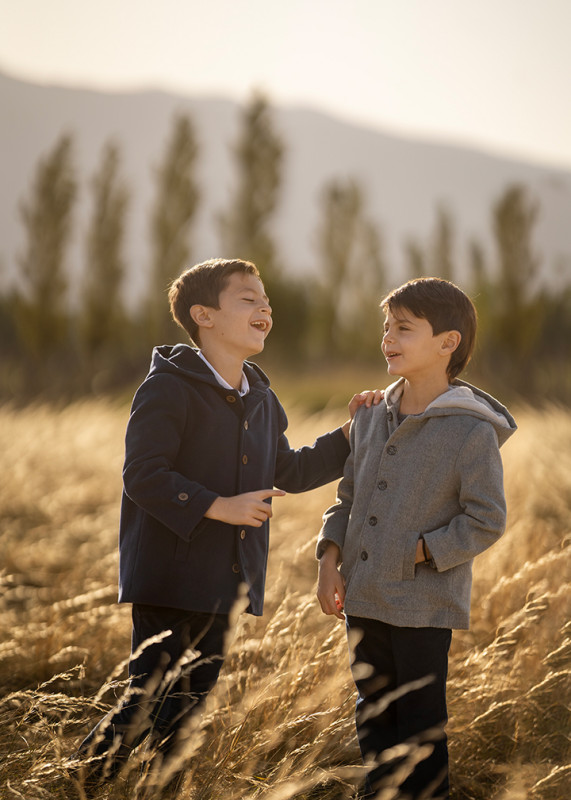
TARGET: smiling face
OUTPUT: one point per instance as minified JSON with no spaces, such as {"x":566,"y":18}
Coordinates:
{"x":412,"y":350}
{"x":242,"y":321}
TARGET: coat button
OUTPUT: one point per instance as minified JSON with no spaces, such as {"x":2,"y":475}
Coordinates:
{"x":242,"y":534}
{"x":390,"y":416}
{"x":391,"y":449}
{"x":364,"y":555}
{"x":244,"y":459}
{"x":382,"y":485}
{"x":182,"y":496}
{"x":372,"y":520}
{"x":235,"y":568}
{"x":246,"y":425}
{"x":230,"y":398}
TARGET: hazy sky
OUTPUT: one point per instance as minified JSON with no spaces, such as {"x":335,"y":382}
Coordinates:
{"x":490,"y":73}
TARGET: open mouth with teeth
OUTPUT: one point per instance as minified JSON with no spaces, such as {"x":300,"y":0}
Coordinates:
{"x":391,"y":354}
{"x":260,"y":325}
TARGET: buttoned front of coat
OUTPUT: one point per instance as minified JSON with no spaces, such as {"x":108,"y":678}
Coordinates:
{"x":439,"y":475}
{"x":189,"y":441}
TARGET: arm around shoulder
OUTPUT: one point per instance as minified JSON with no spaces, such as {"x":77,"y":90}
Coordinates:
{"x":312,"y":465}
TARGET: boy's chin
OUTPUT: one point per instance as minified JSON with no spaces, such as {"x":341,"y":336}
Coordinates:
{"x":256,"y":351}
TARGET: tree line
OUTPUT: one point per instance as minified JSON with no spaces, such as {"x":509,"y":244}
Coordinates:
{"x":53,"y":343}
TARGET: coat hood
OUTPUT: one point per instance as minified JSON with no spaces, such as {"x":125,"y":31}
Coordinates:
{"x":183,"y":360}
{"x":460,"y":398}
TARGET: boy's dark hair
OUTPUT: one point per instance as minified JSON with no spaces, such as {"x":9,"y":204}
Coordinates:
{"x":445,"y":307}
{"x":202,"y":285}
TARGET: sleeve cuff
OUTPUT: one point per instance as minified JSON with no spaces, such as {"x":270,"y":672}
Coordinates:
{"x":322,"y":546}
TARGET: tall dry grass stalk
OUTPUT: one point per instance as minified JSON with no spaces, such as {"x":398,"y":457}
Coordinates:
{"x":279,"y":724}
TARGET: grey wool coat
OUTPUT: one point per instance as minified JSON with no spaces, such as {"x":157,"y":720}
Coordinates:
{"x":438,"y":474}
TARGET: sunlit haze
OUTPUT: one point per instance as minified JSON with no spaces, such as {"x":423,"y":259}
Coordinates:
{"x":494,"y":74}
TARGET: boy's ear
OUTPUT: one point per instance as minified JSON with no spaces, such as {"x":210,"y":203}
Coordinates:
{"x":450,"y":342}
{"x":201,"y":316}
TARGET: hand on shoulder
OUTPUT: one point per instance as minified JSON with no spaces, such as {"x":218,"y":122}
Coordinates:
{"x":367,"y":398}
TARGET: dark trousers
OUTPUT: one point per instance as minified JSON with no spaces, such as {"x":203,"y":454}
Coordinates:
{"x":400,"y":675}
{"x":167,"y":684}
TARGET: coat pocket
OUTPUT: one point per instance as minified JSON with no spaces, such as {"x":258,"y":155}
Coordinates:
{"x":408,"y":555}
{"x":183,"y":547}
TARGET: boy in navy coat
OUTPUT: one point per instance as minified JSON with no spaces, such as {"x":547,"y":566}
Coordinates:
{"x":205,"y":446}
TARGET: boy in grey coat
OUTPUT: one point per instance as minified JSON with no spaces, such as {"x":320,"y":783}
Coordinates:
{"x":422,"y":495}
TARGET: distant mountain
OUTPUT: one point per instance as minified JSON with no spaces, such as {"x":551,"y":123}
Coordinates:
{"x":404,"y":179}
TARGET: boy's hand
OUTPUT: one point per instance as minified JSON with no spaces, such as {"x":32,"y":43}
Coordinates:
{"x":330,"y":583}
{"x":244,"y":509}
{"x":367,"y":398}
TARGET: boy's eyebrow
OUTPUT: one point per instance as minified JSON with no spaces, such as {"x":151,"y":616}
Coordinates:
{"x":401,"y":319}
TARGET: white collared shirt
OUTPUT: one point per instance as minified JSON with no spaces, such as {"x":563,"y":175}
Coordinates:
{"x":244,"y":386}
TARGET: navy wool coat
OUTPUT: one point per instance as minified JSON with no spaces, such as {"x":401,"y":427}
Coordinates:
{"x":188,"y":441}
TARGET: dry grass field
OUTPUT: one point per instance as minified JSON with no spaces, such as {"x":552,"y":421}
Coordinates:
{"x":279,"y":724}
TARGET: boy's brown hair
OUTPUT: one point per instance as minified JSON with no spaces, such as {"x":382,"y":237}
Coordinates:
{"x":202,"y":285}
{"x":445,"y":307}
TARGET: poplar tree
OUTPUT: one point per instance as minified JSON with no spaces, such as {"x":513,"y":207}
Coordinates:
{"x":42,"y":312}
{"x":245,"y":225}
{"x":174,"y":210}
{"x":517,"y":316}
{"x":370,"y":286}
{"x":441,"y":256}
{"x":341,"y":209}
{"x":414,"y":258}
{"x":352,"y":272}
{"x":482,"y":293}
{"x":102,"y":314}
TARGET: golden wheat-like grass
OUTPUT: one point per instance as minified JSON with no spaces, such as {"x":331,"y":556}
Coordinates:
{"x":279,"y":724}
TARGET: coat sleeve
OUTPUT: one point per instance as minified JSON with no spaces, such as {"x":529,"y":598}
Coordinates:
{"x":310,"y":466}
{"x":313,"y":465}
{"x":154,"y":434}
{"x":481,"y":497}
{"x":336,"y":518}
